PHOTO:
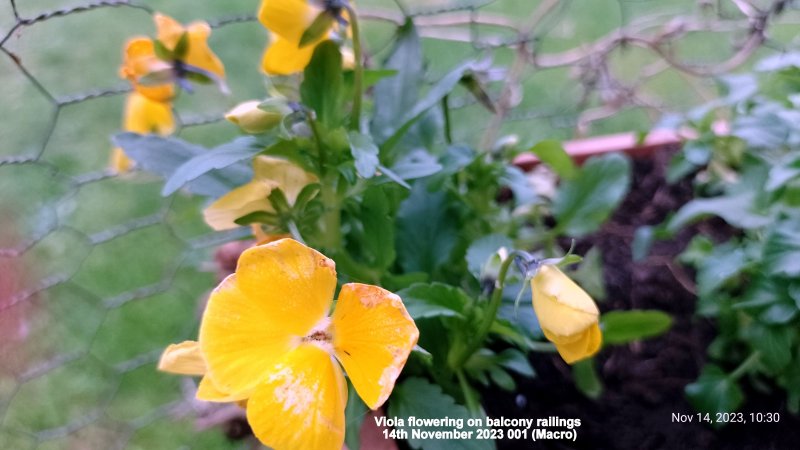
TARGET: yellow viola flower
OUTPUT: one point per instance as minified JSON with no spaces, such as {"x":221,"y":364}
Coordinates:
{"x":567,"y":315}
{"x":140,"y":60}
{"x":142,"y":115}
{"x":269,"y":173}
{"x":266,"y":336}
{"x":287,"y":20}
{"x":169,"y":32}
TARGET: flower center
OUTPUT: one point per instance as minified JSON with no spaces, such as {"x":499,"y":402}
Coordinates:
{"x":321,"y":334}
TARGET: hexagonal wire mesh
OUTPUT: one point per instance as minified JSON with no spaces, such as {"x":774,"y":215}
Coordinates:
{"x":98,"y":272}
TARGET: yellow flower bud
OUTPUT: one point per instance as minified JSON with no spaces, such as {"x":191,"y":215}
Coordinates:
{"x":567,"y":315}
{"x":254,"y":119}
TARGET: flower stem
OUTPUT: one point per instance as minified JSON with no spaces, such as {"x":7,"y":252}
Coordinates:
{"x":358,"y":71}
{"x":295,"y":232}
{"x":472,"y":403}
{"x":746,"y":366}
{"x":488,"y":318}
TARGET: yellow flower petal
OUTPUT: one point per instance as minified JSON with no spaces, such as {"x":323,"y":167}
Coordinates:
{"x":290,"y":178}
{"x":300,"y":404}
{"x":566,"y":313}
{"x":237,"y":203}
{"x":139,"y":59}
{"x":120,"y":163}
{"x":143,"y":115}
{"x":282,"y":57}
{"x":200,"y":55}
{"x":183,"y":359}
{"x":168,"y":30}
{"x":372,"y":337}
{"x":240,"y":339}
{"x":577,"y":347}
{"x":209,"y":392}
{"x":293,"y":283}
{"x":287,"y":18}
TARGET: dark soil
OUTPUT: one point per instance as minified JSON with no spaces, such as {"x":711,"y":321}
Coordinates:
{"x":644,"y":381}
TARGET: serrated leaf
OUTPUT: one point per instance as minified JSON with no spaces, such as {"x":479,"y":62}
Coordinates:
{"x":621,"y":327}
{"x":433,"y":300}
{"x":419,"y":398}
{"x":714,"y":391}
{"x":426,"y":230}
{"x":782,"y":249}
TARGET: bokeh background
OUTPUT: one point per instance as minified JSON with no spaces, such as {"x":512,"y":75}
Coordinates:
{"x":98,"y":273}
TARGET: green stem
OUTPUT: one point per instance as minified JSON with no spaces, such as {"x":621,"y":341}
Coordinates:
{"x":358,"y":71}
{"x":332,"y":236}
{"x":746,"y":366}
{"x":476,"y":342}
{"x":448,"y":130}
{"x":295,"y":232}
{"x":472,"y":403}
{"x":321,"y":157}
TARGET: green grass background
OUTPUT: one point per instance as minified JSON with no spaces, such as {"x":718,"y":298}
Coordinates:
{"x":132,"y":262}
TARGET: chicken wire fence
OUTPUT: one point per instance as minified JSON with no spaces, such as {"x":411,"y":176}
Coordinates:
{"x":98,"y":272}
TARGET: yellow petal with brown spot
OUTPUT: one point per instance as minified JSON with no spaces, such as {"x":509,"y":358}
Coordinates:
{"x":301,"y":402}
{"x":372,"y":337}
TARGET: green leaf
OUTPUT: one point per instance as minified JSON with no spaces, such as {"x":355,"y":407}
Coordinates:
{"x":734,"y":209}
{"x":586,"y":378}
{"x":482,"y":251}
{"x":182,"y":47}
{"x":553,"y":154}
{"x":621,"y":327}
{"x":502,"y":379}
{"x":774,"y":343}
{"x":714,"y":391}
{"x":164,"y":155}
{"x":426,"y":230}
{"x":432,"y":98}
{"x":782,"y":249}
{"x":514,"y":360}
{"x":589,"y":274}
{"x":323,"y":84}
{"x":721,"y":265}
{"x":258,"y":217}
{"x":396,"y":95}
{"x":321,"y":24}
{"x":162,"y":52}
{"x":217,"y":158}
{"x":584,"y":203}
{"x":433,"y":300}
{"x":417,"y":164}
{"x":354,"y":414}
{"x":378,"y":228}
{"x":419,"y":398}
{"x":365,"y":153}
{"x":517,"y":181}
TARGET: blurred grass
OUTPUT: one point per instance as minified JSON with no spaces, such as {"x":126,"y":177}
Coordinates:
{"x":98,"y":319}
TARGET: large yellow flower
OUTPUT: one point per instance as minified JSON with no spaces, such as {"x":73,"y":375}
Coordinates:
{"x":140,"y":57}
{"x":287,"y":20}
{"x":266,"y":337}
{"x":269,"y":173}
{"x":567,"y":315}
{"x":143,"y":115}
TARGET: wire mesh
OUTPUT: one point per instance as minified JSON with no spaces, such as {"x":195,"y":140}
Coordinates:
{"x":98,"y":272}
